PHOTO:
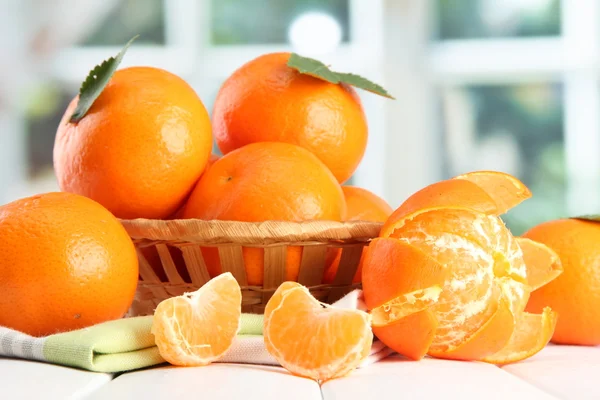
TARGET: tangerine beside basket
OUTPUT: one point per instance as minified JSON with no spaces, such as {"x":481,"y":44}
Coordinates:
{"x":171,"y":261}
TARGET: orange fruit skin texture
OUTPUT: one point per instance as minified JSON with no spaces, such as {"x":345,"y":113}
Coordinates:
{"x":256,"y":183}
{"x":179,"y":213}
{"x":362,"y":205}
{"x":140,"y":148}
{"x":265,"y":100}
{"x":574,"y":294}
{"x":67,"y":263}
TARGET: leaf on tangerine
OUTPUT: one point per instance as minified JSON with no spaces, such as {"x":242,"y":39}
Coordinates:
{"x":363,"y":83}
{"x":313,"y":68}
{"x":317,"y":69}
{"x":96,"y":81}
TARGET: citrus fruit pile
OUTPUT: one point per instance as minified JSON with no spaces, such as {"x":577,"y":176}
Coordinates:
{"x":448,"y":279}
{"x":289,"y":139}
{"x":445,"y":277}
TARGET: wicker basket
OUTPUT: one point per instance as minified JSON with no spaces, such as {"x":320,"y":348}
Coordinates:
{"x":171,"y":261}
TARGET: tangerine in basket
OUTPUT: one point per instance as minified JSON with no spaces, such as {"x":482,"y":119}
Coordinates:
{"x":575,"y":294}
{"x":140,"y":148}
{"x":265,"y":100}
{"x":314,"y":340}
{"x":67,"y":263}
{"x":198,"y":328}
{"x":266,"y":181}
{"x":448,"y":279}
{"x":179,"y":213}
{"x":362,"y":205}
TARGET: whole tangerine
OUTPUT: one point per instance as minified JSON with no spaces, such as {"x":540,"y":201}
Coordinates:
{"x":265,"y":100}
{"x":140,"y":148}
{"x":67,"y":263}
{"x":574,"y":294}
{"x":256,"y":183}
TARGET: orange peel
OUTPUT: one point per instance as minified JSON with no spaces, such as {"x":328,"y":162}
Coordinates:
{"x":532,"y":333}
{"x":487,"y":340}
{"x":416,"y":330}
{"x":489,"y":192}
{"x":390,"y":260}
{"x":405,"y":305}
{"x":506,"y":190}
{"x":543,"y":264}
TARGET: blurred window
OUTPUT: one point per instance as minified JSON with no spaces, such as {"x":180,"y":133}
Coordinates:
{"x":512,"y":128}
{"x":127,"y":19}
{"x":478,"y":19}
{"x":235,"y":23}
{"x":516,"y":81}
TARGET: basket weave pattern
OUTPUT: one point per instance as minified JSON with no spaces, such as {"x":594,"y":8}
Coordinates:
{"x":177,"y":245}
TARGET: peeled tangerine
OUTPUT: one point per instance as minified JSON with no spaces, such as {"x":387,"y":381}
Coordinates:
{"x":447,"y":278}
{"x":198,"y":328}
{"x":314,"y":340}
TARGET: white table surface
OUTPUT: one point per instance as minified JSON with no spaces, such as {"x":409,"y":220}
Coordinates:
{"x":558,"y":372}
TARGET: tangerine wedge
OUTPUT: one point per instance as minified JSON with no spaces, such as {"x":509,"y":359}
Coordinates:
{"x":198,"y":328}
{"x":313,"y":340}
{"x":532,"y":333}
{"x":274,"y":302}
{"x":543,"y":264}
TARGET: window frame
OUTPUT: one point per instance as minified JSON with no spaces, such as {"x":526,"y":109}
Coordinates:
{"x":573,"y":59}
{"x":393,"y":39}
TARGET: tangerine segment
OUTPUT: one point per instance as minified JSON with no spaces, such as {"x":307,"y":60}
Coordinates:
{"x":316,"y":342}
{"x":448,"y":193}
{"x":532,"y":333}
{"x":392,"y":268}
{"x":405,"y":305}
{"x":506,"y":190}
{"x":488,"y":339}
{"x":198,"y":328}
{"x":274,"y":302}
{"x":410,"y":336}
{"x":543,"y":264}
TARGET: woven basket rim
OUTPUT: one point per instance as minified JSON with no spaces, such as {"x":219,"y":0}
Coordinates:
{"x":258,"y":233}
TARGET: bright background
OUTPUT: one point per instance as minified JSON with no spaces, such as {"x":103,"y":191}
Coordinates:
{"x":509,"y":85}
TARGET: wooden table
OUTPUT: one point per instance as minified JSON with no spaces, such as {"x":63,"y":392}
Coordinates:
{"x":558,"y":372}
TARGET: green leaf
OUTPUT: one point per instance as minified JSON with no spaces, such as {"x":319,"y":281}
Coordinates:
{"x":312,"y":67}
{"x":591,"y":217}
{"x":96,"y":81}
{"x":363,"y":83}
{"x":319,"y":70}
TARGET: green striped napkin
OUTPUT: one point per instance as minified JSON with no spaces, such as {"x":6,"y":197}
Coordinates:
{"x":115,"y":346}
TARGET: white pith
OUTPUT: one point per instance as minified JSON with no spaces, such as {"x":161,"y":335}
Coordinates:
{"x":468,"y":278}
